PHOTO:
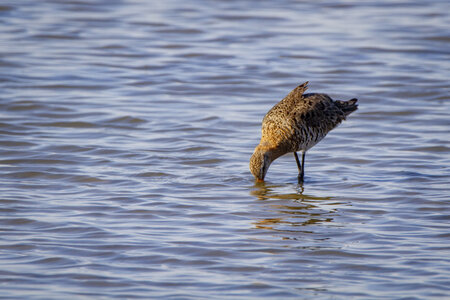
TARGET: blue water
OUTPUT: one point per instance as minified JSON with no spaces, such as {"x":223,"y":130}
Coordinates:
{"x":126,"y":129}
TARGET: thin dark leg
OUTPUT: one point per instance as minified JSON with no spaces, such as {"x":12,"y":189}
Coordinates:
{"x":303,"y":165}
{"x":300,"y":169}
{"x":298,"y":163}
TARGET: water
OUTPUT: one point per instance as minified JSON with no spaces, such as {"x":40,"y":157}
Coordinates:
{"x":126,"y":128}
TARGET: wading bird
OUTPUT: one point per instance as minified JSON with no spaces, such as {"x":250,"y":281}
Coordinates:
{"x":297,"y":123}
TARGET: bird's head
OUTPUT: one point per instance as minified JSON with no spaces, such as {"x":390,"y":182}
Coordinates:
{"x":260,"y":162}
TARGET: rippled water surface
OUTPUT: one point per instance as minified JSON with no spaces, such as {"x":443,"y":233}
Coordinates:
{"x":126,"y":128}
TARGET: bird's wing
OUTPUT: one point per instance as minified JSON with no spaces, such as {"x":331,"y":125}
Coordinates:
{"x":282,"y":109}
{"x":277,"y":123}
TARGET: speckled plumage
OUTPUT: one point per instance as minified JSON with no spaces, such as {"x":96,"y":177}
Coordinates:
{"x":297,"y":123}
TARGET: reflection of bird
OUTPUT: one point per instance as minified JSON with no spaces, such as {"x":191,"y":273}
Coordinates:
{"x":297,"y":123}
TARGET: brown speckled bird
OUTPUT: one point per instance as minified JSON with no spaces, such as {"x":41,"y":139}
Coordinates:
{"x":297,"y":123}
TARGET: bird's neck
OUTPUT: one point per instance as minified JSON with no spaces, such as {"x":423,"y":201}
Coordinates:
{"x":271,"y":150}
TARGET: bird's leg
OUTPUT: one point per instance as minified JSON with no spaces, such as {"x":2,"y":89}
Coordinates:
{"x":302,"y":175}
{"x":300,"y":168}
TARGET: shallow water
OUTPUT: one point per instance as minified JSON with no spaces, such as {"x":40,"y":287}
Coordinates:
{"x":126,"y":128}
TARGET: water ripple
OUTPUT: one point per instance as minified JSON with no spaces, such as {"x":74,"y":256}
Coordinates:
{"x":126,"y":129}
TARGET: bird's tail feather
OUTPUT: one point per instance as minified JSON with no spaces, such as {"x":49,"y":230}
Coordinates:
{"x":348,"y":106}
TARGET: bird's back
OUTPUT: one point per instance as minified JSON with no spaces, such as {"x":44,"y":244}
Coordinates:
{"x":299,"y":121}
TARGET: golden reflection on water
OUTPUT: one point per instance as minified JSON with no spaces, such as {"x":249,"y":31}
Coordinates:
{"x":292,"y":210}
